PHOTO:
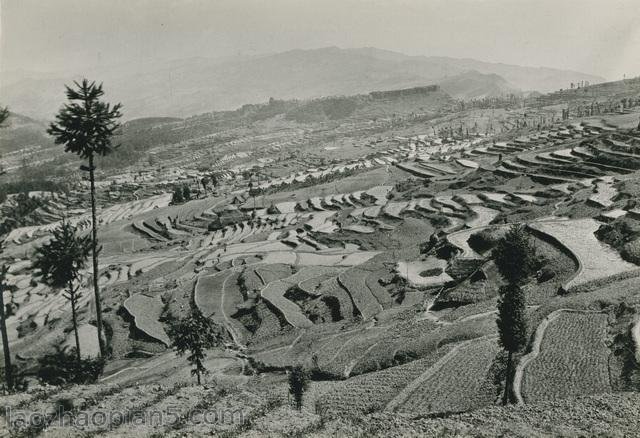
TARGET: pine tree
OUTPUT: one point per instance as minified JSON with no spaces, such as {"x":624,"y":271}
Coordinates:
{"x":60,"y":262}
{"x":85,"y":126}
{"x":194,"y":334}
{"x":298,"y":384}
{"x":512,"y":328}
{"x":516,"y":260}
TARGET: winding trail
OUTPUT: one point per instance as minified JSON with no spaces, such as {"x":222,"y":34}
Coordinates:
{"x":535,"y":349}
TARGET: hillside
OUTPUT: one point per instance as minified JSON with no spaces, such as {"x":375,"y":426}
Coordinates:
{"x":350,"y":235}
{"x":23,"y":132}
{"x":196,"y":85}
{"x":141,"y":134}
{"x":475,"y":85}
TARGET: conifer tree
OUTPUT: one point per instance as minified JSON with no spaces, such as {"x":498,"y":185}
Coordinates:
{"x":516,"y":260}
{"x":60,"y":262}
{"x":85,"y":126}
{"x":194,"y":335}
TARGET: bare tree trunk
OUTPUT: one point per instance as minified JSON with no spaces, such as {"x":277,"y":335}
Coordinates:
{"x":8,"y":370}
{"x":94,"y":249}
{"x":74,"y":318}
{"x":508,"y":380}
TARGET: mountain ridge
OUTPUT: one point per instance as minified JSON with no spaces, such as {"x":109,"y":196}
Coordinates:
{"x":179,"y":88}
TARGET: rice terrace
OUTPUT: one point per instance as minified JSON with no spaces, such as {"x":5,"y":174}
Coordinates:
{"x":198,"y":240}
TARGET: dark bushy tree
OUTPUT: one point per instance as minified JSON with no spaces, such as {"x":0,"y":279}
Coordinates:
{"x":85,"y":127}
{"x":194,"y":335}
{"x":186,"y":192}
{"x":298,"y":384}
{"x":59,"y":263}
{"x":512,"y":328}
{"x":177,"y":197}
{"x":515,"y":257}
{"x":516,"y":260}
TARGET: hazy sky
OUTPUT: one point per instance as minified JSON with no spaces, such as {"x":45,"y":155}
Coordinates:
{"x":592,"y":36}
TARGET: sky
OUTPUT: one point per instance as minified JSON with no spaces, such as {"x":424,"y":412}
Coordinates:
{"x":592,"y":36}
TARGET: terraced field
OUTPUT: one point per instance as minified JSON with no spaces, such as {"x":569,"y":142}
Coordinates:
{"x":274,"y":292}
{"x":454,"y":383}
{"x":597,"y":261}
{"x":573,"y":359}
{"x":146,"y":312}
{"x":343,"y":263}
{"x":372,"y":391}
{"x":218,"y":297}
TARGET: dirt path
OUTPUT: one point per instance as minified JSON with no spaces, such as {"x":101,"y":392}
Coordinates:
{"x":535,"y":349}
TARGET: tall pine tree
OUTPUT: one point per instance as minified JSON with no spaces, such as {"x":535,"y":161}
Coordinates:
{"x":85,"y":126}
{"x":516,"y":260}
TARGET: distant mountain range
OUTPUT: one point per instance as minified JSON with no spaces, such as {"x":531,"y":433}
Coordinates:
{"x":185,"y":87}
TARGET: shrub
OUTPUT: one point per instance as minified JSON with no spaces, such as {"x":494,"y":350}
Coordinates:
{"x":482,"y":241}
{"x":631,"y":252}
{"x":186,"y":192}
{"x":20,"y":383}
{"x":447,"y":251}
{"x":177,"y":197}
{"x":62,"y":368}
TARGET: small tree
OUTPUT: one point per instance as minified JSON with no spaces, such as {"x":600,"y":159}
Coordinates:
{"x":177,"y":197}
{"x":4,"y":115}
{"x":59,"y":262}
{"x":194,"y":334}
{"x":205,"y":183}
{"x":85,"y":126}
{"x":186,"y":192}
{"x":516,"y":260}
{"x":298,"y":384}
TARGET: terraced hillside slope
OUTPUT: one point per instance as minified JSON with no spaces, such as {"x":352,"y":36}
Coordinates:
{"x":361,"y":252}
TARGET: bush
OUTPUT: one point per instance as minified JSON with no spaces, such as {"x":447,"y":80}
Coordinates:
{"x":447,"y":251}
{"x":177,"y":197}
{"x":631,"y":252}
{"x":482,"y":241}
{"x":62,"y":368}
{"x":20,"y":383}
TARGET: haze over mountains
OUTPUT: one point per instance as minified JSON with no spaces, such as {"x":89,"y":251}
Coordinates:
{"x":190,"y":86}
